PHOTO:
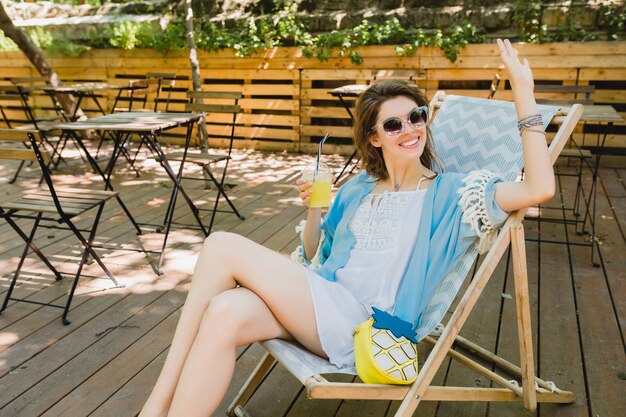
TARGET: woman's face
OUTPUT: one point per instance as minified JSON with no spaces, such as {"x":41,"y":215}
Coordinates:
{"x":409,"y":145}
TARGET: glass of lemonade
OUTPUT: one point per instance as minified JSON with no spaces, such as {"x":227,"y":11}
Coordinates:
{"x":322,"y":177}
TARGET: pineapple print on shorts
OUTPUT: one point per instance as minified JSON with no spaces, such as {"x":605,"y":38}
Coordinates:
{"x":385,"y":350}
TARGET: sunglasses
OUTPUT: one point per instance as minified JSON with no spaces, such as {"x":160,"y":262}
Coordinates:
{"x":394,"y":126}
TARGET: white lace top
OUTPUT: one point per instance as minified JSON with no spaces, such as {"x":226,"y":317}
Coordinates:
{"x":366,"y":279}
{"x":377,"y":220}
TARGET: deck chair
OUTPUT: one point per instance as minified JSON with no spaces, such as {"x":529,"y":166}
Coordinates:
{"x":469,"y":133}
{"x":222,"y":118}
{"x":57,"y":206}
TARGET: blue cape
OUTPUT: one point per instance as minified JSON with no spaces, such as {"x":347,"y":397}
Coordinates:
{"x":441,"y":240}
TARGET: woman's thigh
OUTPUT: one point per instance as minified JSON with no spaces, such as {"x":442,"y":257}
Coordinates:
{"x":280,"y":283}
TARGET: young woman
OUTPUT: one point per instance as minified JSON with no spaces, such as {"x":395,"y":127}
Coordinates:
{"x":389,"y":228}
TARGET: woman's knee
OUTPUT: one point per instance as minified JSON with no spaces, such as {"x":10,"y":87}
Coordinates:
{"x":221,"y":243}
{"x":225,"y":317}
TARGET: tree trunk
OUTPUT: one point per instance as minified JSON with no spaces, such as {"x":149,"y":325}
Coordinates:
{"x":35,"y":56}
{"x":197,"y":84}
{"x":195,"y":72}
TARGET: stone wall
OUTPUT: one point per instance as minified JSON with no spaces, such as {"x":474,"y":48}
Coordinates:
{"x":76,"y":22}
{"x":47,"y":9}
{"x":494,"y":17}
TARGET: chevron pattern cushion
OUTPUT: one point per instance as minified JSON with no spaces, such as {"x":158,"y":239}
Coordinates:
{"x":469,"y":134}
{"x":474,"y":133}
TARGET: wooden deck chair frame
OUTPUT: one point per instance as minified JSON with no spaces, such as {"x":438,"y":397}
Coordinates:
{"x":52,"y":205}
{"x":532,"y":389}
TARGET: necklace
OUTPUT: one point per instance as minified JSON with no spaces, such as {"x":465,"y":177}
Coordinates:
{"x":398,"y":185}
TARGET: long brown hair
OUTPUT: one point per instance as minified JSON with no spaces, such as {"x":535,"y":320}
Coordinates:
{"x":366,"y":115}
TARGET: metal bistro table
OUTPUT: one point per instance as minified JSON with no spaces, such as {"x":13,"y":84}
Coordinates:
{"x":604,"y":116}
{"x":148,"y":125}
{"x":348,"y":91}
{"x":80,"y":91}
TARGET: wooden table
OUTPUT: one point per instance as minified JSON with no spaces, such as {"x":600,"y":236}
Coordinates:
{"x":148,"y":125}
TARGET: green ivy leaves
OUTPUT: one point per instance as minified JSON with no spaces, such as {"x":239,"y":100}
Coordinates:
{"x":285,"y":27}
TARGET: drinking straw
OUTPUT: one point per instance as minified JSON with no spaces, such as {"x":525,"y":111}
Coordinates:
{"x":319,"y":153}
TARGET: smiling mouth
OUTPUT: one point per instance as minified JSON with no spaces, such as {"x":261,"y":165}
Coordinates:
{"x":410,"y":143}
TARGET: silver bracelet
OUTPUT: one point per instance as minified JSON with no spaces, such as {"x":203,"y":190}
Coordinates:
{"x":533,"y":120}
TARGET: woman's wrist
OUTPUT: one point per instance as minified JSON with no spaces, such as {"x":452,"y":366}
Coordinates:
{"x":314,"y":218}
{"x":526,"y":93}
{"x":525,"y":104}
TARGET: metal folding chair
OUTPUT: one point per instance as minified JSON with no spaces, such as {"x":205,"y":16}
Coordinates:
{"x":134,"y":98}
{"x":165,"y":85}
{"x":225,"y":117}
{"x":18,"y":113}
{"x":54,"y":205}
{"x":146,"y":91}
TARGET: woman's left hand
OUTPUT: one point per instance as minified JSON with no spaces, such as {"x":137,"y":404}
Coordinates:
{"x":520,"y":74}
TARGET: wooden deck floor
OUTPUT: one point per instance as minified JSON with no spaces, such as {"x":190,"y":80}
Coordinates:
{"x":106,"y":361}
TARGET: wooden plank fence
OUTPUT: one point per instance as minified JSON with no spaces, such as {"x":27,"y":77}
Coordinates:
{"x":286,"y":105}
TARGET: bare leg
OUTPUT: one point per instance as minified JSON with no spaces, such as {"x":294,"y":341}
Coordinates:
{"x":234,"y":317}
{"x":225,"y":261}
